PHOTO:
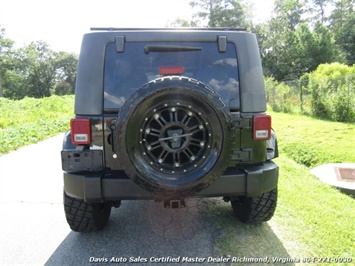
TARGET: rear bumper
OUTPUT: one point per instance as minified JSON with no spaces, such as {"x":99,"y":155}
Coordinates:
{"x":94,"y":187}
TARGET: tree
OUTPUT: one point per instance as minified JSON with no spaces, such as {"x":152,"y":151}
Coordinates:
{"x":282,"y":59}
{"x":342,"y":24}
{"x":320,"y":7}
{"x":326,"y":51}
{"x":65,"y":66}
{"x":278,"y":41}
{"x":313,"y":48}
{"x":289,"y":13}
{"x":35,"y":70}
{"x":219,"y":13}
{"x":5,"y":56}
{"x":289,"y":46}
{"x":40,"y":72}
{"x":299,"y":52}
{"x":248,"y":6}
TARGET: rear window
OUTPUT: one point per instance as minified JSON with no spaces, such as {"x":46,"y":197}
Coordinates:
{"x":142,"y":62}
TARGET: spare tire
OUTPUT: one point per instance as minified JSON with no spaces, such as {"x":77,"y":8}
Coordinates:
{"x":172,"y":136}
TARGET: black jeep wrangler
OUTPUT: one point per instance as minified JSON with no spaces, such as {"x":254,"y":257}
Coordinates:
{"x":167,"y":114}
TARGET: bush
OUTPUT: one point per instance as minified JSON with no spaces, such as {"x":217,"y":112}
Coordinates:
{"x":328,"y":92}
{"x":29,"y":120}
{"x":282,"y":97}
{"x":333,"y":91}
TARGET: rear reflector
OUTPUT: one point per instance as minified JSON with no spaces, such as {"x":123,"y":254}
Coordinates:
{"x":171,"y":70}
{"x":80,"y":131}
{"x":261,"y":127}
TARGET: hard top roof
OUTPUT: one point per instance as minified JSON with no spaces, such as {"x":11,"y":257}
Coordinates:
{"x":161,"y":29}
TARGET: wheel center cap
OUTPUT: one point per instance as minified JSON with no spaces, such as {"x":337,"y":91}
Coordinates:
{"x":175,"y":137}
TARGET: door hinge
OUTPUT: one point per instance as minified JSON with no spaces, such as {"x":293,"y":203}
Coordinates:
{"x":241,"y":155}
{"x":240,"y":122}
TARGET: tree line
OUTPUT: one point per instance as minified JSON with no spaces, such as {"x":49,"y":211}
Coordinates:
{"x":35,"y":70}
{"x":298,"y":36}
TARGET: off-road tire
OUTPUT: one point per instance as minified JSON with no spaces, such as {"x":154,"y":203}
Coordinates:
{"x":173,"y":137}
{"x":255,"y":209}
{"x":86,"y":217}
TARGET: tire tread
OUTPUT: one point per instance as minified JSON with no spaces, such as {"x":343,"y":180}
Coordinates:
{"x":85,"y":217}
{"x":256,"y":209}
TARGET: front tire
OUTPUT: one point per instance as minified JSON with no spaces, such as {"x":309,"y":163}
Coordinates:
{"x":255,"y":209}
{"x":86,"y":217}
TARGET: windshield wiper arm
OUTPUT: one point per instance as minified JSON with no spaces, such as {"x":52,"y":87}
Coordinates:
{"x":169,"y":48}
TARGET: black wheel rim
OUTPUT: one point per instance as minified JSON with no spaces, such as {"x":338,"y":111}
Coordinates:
{"x":175,"y":138}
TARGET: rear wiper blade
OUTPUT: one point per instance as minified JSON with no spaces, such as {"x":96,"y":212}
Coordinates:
{"x":169,"y":48}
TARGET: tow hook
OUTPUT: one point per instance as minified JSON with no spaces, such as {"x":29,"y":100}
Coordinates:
{"x":174,"y":204}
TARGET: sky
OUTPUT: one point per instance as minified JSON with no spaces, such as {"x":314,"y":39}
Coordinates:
{"x":62,"y":23}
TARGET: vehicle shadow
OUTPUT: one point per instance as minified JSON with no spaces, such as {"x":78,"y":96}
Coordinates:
{"x":242,"y":240}
{"x":143,"y":231}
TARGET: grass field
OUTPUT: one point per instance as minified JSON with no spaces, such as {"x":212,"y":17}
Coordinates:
{"x":312,"y":219}
{"x":31,"y":120}
{"x":312,"y":141}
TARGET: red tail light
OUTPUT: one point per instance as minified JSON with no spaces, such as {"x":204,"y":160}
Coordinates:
{"x":80,"y":131}
{"x":261,"y":127}
{"x":171,"y":70}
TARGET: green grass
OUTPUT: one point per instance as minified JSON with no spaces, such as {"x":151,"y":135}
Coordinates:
{"x":314,"y":213}
{"x":312,"y":219}
{"x":312,"y":141}
{"x":30,"y":120}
